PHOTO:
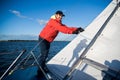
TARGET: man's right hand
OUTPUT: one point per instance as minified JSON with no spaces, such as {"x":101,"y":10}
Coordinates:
{"x":78,"y":30}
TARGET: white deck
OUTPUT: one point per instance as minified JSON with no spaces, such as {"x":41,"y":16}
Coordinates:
{"x":105,"y":50}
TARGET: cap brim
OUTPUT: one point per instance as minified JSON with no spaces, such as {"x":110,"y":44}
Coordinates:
{"x":63,"y":15}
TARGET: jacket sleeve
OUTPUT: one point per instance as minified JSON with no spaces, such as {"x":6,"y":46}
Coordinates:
{"x":63,"y":28}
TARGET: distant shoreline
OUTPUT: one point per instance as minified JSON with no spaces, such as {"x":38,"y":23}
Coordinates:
{"x":17,"y":40}
{"x":21,"y":40}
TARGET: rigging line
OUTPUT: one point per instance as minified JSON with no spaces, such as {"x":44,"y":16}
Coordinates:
{"x":37,"y":59}
{"x":16,"y":67}
{"x":26,"y":58}
{"x":40,"y":66}
{"x":79,"y":61}
{"x":22,"y":52}
{"x":28,"y":55}
{"x":37,"y":45}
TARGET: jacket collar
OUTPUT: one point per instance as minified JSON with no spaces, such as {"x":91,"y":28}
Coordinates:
{"x":53,"y":17}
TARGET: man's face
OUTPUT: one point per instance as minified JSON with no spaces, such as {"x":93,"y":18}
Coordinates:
{"x":58,"y":16}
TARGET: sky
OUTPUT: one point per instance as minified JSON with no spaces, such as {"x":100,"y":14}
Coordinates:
{"x":28,"y":17}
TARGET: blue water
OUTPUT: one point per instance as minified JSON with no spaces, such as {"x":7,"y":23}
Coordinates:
{"x":9,"y":50}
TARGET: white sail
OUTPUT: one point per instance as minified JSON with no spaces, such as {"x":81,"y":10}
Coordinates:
{"x":100,"y":42}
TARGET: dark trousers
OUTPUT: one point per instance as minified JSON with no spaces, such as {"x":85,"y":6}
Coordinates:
{"x":44,"y":49}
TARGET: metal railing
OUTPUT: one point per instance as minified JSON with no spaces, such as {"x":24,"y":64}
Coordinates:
{"x":18,"y":57}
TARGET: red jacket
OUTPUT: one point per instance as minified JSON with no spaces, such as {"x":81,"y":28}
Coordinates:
{"x":52,"y":28}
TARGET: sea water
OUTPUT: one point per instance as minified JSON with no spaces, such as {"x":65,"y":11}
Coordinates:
{"x":9,"y":50}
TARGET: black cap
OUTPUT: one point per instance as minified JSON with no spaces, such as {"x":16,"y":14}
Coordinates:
{"x":60,"y":12}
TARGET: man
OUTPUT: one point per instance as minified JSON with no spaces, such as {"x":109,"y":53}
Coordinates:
{"x":48,"y":34}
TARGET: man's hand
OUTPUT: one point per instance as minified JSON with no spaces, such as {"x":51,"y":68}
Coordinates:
{"x":78,"y":30}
